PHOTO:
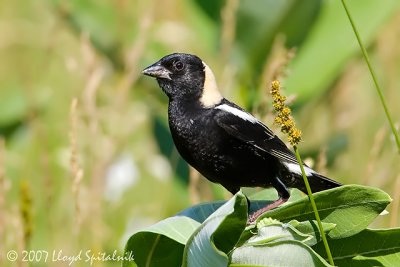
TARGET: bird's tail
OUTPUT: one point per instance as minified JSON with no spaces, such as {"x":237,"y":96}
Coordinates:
{"x":318,"y":182}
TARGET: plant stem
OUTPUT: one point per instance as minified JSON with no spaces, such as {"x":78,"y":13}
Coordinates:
{"x":314,"y":207}
{"x":372,"y":72}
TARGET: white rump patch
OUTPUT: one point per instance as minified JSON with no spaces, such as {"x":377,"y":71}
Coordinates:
{"x":296,"y":168}
{"x":238,"y":113}
{"x":211,"y":95}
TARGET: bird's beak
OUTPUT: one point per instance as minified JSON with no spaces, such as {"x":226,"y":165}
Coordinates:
{"x":157,"y":71}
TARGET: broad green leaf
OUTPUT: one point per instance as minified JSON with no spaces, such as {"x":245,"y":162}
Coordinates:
{"x":367,"y":248}
{"x":270,"y":194}
{"x":351,"y":207}
{"x":211,"y":242}
{"x":161,"y":244}
{"x":270,"y":230}
{"x":100,"y":21}
{"x":258,"y":200}
{"x":331,"y":42}
{"x":311,"y":228}
{"x":272,"y":18}
{"x":201,"y":211}
{"x":281,"y":253}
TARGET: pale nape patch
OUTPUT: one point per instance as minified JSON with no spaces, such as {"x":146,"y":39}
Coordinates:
{"x":211,"y":95}
{"x":238,"y":113}
{"x":296,"y":168}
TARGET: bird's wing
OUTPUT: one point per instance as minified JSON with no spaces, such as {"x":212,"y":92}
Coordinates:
{"x":248,"y":129}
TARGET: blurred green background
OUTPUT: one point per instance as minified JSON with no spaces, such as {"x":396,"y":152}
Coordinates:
{"x":86,"y":158}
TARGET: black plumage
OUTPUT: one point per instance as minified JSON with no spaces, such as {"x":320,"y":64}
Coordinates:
{"x":223,"y":142}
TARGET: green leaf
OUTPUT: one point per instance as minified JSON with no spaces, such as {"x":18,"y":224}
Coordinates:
{"x":100,"y":22}
{"x":260,"y":199}
{"x":367,"y":248}
{"x":270,"y":194}
{"x":270,"y":230}
{"x":211,"y":242}
{"x":311,"y":228}
{"x":281,"y":253}
{"x":272,"y":18}
{"x":201,"y":211}
{"x":161,"y":244}
{"x":331,"y":42}
{"x":351,"y":207}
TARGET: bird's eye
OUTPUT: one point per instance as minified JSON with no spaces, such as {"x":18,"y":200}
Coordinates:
{"x":178,"y":65}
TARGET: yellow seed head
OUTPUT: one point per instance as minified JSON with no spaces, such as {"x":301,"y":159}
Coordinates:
{"x":286,"y":111}
{"x":294,"y":136}
{"x":288,"y":125}
{"x":278,"y":120}
{"x":275,"y":85}
{"x":280,"y":98}
{"x":283,"y":117}
{"x":278,"y":106}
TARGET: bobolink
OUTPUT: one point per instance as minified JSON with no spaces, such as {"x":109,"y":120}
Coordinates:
{"x":219,"y":139}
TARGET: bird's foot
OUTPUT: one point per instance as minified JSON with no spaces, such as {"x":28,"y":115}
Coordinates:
{"x":253,"y":217}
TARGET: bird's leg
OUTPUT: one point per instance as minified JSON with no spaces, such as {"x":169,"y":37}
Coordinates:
{"x":253,"y":217}
{"x":284,"y":195}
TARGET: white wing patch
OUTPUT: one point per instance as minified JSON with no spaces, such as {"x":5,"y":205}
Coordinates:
{"x":284,"y":156}
{"x":211,"y":95}
{"x":296,"y":168}
{"x":238,"y":113}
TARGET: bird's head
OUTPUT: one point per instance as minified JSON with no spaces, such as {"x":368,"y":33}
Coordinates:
{"x":185,"y":76}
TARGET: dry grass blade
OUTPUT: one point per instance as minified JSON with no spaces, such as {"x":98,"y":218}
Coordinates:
{"x":76,"y":170}
{"x":228,"y":16}
{"x":26,"y":210}
{"x":273,"y":69}
{"x":133,"y":55}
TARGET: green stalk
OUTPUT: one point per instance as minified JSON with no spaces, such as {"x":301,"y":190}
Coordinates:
{"x":314,"y":207}
{"x":372,"y":72}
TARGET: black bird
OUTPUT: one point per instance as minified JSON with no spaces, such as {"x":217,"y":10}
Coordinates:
{"x":219,"y":139}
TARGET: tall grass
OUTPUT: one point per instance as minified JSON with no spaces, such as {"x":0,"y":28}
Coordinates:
{"x":373,"y":76}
